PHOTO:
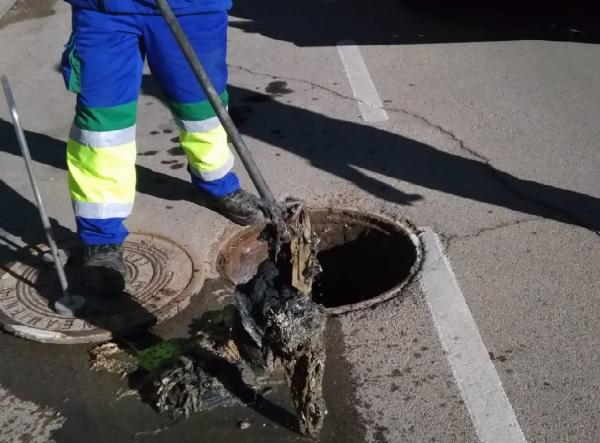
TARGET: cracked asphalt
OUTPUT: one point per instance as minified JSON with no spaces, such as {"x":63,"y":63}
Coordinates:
{"x":492,"y":141}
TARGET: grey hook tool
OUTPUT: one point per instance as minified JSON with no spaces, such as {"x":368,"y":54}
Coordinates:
{"x":68,"y":303}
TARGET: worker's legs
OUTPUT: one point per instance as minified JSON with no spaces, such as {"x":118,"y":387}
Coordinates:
{"x":103,"y":64}
{"x":200,"y":133}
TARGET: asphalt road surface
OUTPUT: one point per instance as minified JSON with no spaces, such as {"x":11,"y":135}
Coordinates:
{"x":478,"y":123}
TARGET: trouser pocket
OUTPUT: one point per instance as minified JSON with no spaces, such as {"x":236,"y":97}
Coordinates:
{"x":71,"y":66}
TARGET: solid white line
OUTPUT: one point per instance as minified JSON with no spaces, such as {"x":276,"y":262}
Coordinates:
{"x":492,"y":415}
{"x":5,"y":5}
{"x":369,"y":103}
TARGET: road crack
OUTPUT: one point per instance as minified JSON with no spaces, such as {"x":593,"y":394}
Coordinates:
{"x":298,"y":80}
{"x":449,"y":240}
{"x":557,"y":212}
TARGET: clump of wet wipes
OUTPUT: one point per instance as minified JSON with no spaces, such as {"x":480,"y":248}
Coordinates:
{"x":186,"y":388}
{"x":233,"y":353}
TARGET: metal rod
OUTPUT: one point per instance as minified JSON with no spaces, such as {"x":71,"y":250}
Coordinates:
{"x":64,"y":285}
{"x":212,"y":96}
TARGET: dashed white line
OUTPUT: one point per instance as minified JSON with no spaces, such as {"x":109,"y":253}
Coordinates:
{"x":369,"y":103}
{"x":492,"y":415}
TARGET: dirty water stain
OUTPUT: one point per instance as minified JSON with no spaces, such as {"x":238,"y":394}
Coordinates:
{"x":148,"y":153}
{"x":175,"y":140}
{"x":131,"y":418}
{"x":154,"y":132}
{"x":176,"y":151}
{"x":278,"y":87}
{"x":177,"y":166}
{"x":167,"y":131}
{"x":168,"y":162}
{"x":24,"y":10}
{"x":339,"y":389}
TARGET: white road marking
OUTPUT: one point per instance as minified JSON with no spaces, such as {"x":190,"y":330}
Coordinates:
{"x":22,"y":420}
{"x":370,"y":105}
{"x":492,"y":415}
{"x":5,"y":5}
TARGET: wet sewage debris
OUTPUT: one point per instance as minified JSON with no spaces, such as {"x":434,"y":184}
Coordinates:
{"x":278,"y":88}
{"x":235,"y":354}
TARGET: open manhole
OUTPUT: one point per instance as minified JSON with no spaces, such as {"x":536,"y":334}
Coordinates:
{"x":366,"y":259}
{"x":161,"y":278}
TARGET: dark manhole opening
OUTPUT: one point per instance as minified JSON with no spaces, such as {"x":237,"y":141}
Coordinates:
{"x":362,"y":268}
{"x":366,"y":259}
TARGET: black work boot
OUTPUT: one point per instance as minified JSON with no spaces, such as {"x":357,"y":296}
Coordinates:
{"x":104,"y":269}
{"x":240,"y":207}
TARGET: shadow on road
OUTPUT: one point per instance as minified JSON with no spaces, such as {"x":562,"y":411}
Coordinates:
{"x":341,"y":148}
{"x":344,"y":148}
{"x":396,"y":22}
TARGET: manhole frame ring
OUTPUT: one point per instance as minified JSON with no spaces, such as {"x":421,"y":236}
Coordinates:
{"x":405,"y":226}
{"x":176,"y":305}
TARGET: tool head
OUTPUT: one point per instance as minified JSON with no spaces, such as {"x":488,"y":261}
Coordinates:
{"x":48,"y":258}
{"x":284,"y":217}
{"x":69,"y":304}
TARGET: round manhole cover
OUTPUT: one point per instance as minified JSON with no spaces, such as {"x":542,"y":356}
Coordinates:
{"x":366,"y":258}
{"x":161,"y":278}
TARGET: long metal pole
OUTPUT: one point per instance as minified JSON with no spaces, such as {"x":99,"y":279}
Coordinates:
{"x":212,"y":96}
{"x":64,"y":284}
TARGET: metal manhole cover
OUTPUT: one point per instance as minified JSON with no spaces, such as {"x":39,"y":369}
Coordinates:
{"x":161,"y":278}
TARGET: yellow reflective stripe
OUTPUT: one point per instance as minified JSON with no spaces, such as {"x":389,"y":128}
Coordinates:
{"x":206,"y":151}
{"x":99,"y":175}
